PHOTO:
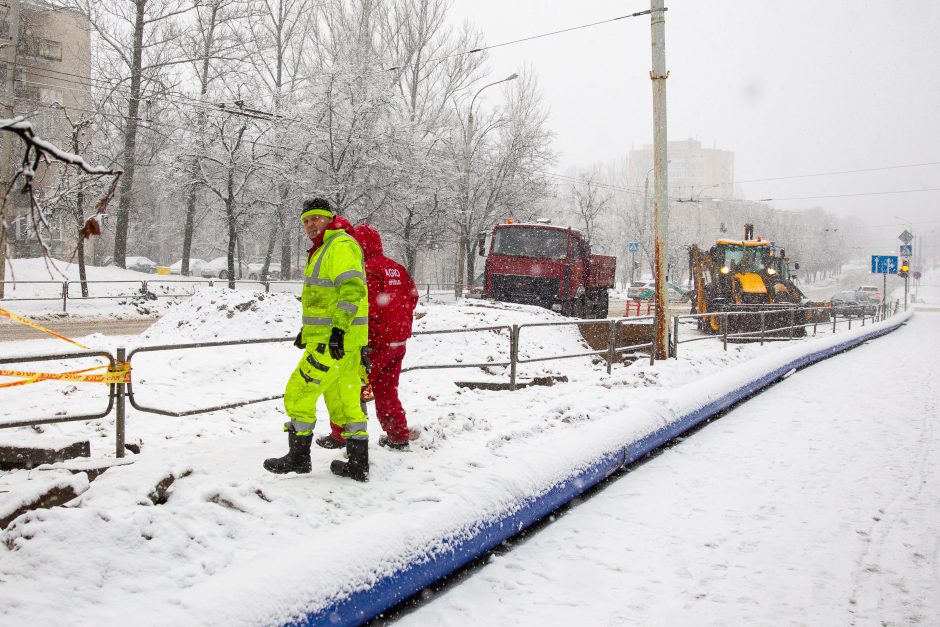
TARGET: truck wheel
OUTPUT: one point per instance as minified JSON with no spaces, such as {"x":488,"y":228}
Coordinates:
{"x":581,"y":308}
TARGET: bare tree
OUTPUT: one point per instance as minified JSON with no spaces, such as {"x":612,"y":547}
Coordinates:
{"x":227,"y":172}
{"x":37,"y":156}
{"x":212,"y":46}
{"x":281,"y":40}
{"x":589,"y":200}
{"x":140,"y":46}
{"x":508,"y":166}
{"x":427,"y":73}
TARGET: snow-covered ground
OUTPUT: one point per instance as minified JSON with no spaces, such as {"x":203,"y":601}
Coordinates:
{"x":35,"y":289}
{"x":815,"y":503}
{"x":227,"y":542}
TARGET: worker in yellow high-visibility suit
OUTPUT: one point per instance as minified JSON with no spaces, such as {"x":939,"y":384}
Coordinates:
{"x":335,"y":328}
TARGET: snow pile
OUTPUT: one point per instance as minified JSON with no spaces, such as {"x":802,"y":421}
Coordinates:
{"x":219,"y":314}
{"x":112,"y":291}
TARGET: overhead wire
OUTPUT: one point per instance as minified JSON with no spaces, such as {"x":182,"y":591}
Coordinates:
{"x":180,"y":98}
{"x":884,"y":193}
{"x":838,"y":172}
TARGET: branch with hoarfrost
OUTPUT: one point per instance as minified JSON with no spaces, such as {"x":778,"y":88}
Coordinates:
{"x":39,"y":151}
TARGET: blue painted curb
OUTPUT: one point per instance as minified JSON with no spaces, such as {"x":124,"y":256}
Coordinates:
{"x":388,"y":591}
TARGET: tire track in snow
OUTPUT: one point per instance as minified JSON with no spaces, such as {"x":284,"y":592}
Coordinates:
{"x":869,"y":572}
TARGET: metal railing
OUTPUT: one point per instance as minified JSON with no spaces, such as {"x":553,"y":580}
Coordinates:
{"x":205,"y":410}
{"x":60,"y":291}
{"x":118,"y":392}
{"x":113,"y":396}
{"x":798,"y":320}
{"x":66,"y":290}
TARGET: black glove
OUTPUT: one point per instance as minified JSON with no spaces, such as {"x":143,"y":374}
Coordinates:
{"x":298,"y":342}
{"x":365,"y":359}
{"x":336,"y":343}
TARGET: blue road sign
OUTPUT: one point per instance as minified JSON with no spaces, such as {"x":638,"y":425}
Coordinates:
{"x":633,"y":247}
{"x":907,"y":250}
{"x":884,"y":264}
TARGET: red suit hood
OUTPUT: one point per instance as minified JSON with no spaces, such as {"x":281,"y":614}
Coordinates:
{"x":369,"y":239}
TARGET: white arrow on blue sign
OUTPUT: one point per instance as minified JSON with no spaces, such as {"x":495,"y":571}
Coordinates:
{"x":884,"y":264}
{"x":907,"y":250}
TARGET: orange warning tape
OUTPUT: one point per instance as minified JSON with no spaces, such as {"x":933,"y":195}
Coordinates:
{"x":119,"y":373}
{"x":30,"y":323}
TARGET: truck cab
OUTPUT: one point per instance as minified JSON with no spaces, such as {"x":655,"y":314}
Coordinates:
{"x":549,"y":266}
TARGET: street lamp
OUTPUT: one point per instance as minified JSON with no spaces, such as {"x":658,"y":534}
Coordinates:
{"x":462,"y":244}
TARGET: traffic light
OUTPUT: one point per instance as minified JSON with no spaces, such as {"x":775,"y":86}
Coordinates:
{"x":905,"y":268}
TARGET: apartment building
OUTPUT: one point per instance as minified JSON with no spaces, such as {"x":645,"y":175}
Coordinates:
{"x":46,"y":66}
{"x":694,"y":172}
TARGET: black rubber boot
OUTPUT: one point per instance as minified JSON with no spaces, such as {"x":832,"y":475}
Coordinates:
{"x":297,"y":458}
{"x":358,"y":465}
{"x":328,"y":441}
{"x":397,"y":446}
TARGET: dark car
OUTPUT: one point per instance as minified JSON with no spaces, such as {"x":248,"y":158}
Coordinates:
{"x":849,"y":304}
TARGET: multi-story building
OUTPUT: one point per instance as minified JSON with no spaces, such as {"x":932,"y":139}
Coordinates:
{"x":694,"y":172}
{"x":46,"y":67}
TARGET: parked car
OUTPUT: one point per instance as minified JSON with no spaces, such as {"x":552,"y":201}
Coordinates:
{"x":645,"y":290}
{"x":218,"y":269}
{"x":254,"y":271}
{"x":849,"y":304}
{"x":195,"y":265}
{"x":140,"y":264}
{"x":872,"y":291}
{"x":641,"y":290}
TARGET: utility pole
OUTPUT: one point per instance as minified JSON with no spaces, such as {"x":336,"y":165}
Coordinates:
{"x":660,"y":207}
{"x":6,"y":165}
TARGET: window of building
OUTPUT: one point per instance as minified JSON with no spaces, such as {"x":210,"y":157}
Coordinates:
{"x":49,"y":49}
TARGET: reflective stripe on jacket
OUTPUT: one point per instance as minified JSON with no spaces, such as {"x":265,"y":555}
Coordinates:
{"x":335,"y":293}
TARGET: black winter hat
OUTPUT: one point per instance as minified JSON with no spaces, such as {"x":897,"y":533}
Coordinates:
{"x":317,"y":207}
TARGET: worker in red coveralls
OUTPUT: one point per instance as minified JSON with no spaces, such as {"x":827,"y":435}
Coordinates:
{"x":392,"y":300}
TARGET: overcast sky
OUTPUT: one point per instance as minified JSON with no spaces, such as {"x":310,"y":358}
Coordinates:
{"x":792,"y":87}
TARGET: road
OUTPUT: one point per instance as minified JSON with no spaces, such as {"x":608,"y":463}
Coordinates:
{"x":12,"y":331}
{"x":816,"y":502}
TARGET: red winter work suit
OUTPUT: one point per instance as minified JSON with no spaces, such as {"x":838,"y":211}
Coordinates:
{"x":392,"y":300}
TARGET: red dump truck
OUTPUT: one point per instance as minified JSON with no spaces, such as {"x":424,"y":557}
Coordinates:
{"x":546,"y":265}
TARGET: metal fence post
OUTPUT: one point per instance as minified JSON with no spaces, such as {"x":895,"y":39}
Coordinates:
{"x":611,"y":348}
{"x":675,"y":337}
{"x":762,"y":328}
{"x":65,"y":294}
{"x":850,"y":321}
{"x":267,"y":287}
{"x":724,"y":329}
{"x":513,"y":354}
{"x":428,"y":293}
{"x":834,"y":317}
{"x":119,"y":409}
{"x":792,"y":323}
{"x":815,"y":320}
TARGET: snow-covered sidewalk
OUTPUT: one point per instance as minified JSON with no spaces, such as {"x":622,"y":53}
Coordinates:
{"x":815,"y":503}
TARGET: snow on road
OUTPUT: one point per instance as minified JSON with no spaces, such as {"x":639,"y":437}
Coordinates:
{"x":817,"y":502}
